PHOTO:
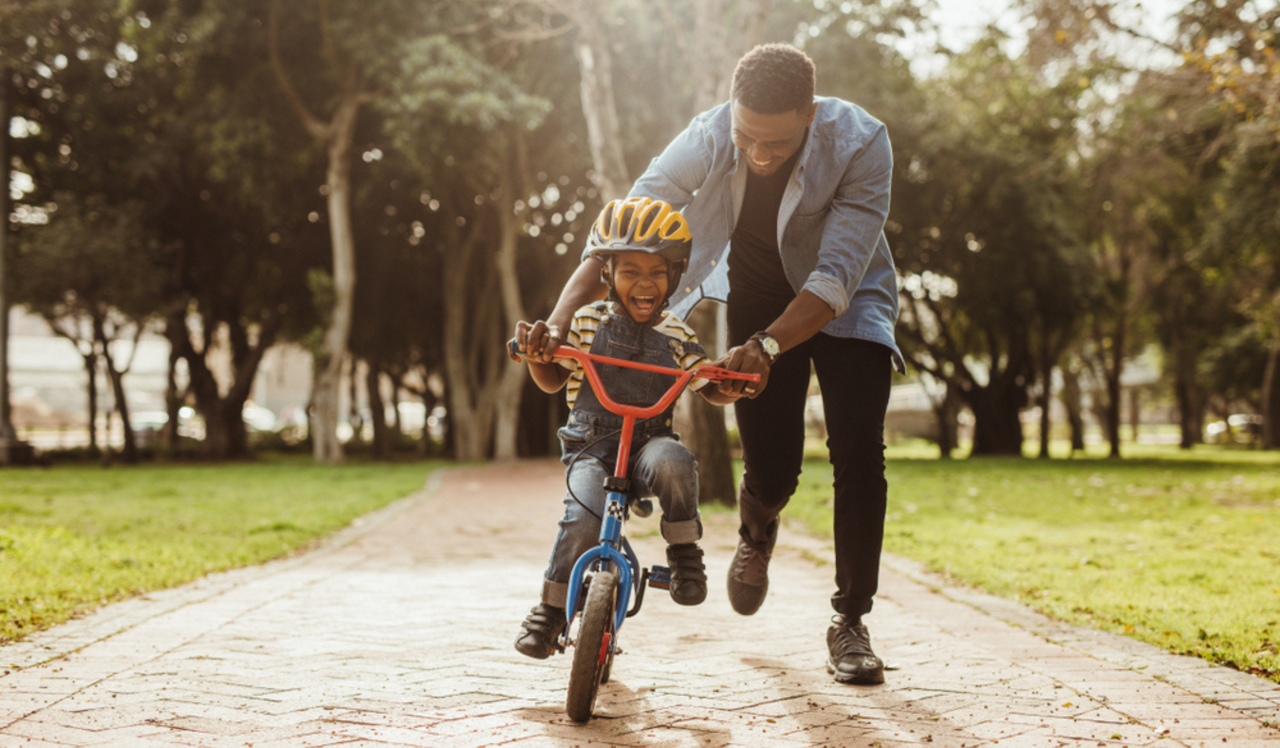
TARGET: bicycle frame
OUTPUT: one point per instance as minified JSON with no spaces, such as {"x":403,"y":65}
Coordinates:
{"x":610,"y":550}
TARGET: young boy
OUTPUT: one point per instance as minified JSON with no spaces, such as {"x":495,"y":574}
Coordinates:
{"x":644,"y":246}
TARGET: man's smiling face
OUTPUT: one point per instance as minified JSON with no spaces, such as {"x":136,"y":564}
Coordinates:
{"x":641,"y":281}
{"x":768,"y":140}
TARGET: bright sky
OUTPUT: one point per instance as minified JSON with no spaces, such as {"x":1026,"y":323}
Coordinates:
{"x":962,"y":21}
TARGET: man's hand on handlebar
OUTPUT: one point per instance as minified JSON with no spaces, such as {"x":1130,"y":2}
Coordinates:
{"x":748,"y":359}
{"x":538,"y":340}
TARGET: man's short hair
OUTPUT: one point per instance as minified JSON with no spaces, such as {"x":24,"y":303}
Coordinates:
{"x":774,"y":78}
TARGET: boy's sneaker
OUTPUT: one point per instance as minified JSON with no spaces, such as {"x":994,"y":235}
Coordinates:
{"x":540,"y":630}
{"x":688,"y":575}
{"x":849,"y":655}
{"x":749,"y":574}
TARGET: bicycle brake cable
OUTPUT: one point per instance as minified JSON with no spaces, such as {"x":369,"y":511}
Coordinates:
{"x":573,"y":460}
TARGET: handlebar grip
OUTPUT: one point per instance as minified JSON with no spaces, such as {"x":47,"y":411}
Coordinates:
{"x":513,"y":350}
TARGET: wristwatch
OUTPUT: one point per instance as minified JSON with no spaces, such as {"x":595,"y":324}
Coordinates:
{"x":769,"y":344}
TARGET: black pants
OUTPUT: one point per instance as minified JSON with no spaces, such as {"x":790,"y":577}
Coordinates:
{"x":854,"y":376}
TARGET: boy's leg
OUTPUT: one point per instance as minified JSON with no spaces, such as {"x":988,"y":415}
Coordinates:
{"x":666,"y":468}
{"x":579,"y":528}
{"x":579,"y":532}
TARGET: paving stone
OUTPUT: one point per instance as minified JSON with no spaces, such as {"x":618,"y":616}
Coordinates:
{"x":398,"y":631}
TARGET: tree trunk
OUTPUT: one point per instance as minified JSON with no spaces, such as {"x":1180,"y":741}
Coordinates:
{"x":1114,"y":390}
{"x":1046,"y":391}
{"x":225,"y":435}
{"x":116,"y":377}
{"x":172,"y":400}
{"x":355,"y":419}
{"x":701,"y":425}
{"x":997,"y":430}
{"x":377,"y":412}
{"x":1190,"y":403}
{"x":341,"y":135}
{"x":1046,"y":422}
{"x":1271,"y":398}
{"x":91,"y":370}
{"x":595,"y":71}
{"x":947,"y":413}
{"x":1074,"y":405}
{"x":1135,"y":413}
{"x":510,"y":385}
{"x":467,"y":331}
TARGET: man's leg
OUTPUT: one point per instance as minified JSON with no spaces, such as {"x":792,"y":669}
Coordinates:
{"x":855,"y":377}
{"x":771,"y":428}
{"x":667,"y":469}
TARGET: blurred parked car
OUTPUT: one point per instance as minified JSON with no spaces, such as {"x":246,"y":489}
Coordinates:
{"x":258,"y":418}
{"x":1241,"y":427}
{"x":149,"y":424}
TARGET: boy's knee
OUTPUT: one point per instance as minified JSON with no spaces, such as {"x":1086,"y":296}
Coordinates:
{"x":669,"y":460}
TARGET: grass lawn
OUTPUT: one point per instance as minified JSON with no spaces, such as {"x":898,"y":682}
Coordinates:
{"x":73,"y":537}
{"x":1178,"y":550}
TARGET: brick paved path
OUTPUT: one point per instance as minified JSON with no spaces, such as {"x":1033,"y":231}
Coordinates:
{"x":398,"y":633}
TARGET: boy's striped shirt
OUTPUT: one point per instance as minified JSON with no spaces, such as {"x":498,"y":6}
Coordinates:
{"x":588,"y":319}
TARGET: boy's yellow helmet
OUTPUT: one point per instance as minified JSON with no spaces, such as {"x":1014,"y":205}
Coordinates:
{"x":641,"y":224}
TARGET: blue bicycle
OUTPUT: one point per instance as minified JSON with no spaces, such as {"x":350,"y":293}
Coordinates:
{"x":604,"y":578}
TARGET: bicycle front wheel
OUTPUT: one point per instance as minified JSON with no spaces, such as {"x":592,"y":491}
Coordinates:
{"x":592,"y":652}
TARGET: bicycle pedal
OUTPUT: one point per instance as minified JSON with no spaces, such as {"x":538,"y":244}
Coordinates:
{"x":660,"y":577}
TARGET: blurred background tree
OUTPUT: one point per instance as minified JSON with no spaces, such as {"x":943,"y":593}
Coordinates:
{"x":392,"y":185}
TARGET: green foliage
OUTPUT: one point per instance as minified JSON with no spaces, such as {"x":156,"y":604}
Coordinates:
{"x":75,"y":537}
{"x":1175,"y":549}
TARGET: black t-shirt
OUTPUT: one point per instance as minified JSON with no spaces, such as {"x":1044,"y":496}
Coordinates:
{"x":755,"y":263}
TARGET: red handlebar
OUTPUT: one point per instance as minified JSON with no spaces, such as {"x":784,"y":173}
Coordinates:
{"x":589,"y":360}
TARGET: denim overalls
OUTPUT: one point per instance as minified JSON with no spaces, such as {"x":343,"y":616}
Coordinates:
{"x":659,"y":466}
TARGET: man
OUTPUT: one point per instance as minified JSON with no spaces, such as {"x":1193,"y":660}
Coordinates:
{"x":792,"y":191}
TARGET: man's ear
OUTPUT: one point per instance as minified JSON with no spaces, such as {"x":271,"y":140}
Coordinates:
{"x":605,"y":276}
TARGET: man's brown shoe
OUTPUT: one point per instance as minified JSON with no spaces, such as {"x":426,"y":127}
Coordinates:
{"x":749,"y":575}
{"x":849,"y":655}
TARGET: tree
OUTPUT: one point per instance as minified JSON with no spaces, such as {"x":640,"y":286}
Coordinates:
{"x":95,"y":263}
{"x":1229,"y":49}
{"x":352,"y":90}
{"x":991,"y":270}
{"x":32,"y":35}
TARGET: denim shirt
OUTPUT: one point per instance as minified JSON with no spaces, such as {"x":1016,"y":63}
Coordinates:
{"x":830,"y":224}
{"x":593,"y":428}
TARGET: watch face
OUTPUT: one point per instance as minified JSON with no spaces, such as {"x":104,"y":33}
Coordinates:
{"x":770,"y":346}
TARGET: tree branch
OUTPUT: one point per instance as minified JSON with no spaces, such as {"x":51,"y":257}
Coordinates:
{"x":313,"y":125}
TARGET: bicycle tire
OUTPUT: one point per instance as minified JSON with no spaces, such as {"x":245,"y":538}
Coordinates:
{"x":590,"y":656}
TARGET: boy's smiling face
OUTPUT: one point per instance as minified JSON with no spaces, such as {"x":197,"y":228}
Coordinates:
{"x":641,"y":281}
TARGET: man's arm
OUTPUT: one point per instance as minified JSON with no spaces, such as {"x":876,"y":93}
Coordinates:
{"x":803,"y":318}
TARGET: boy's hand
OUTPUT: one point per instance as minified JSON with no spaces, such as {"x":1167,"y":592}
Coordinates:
{"x":748,"y":359}
{"x":538,"y":340}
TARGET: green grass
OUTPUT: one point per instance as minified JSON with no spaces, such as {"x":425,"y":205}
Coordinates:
{"x":74,"y":537}
{"x":1173,"y":548}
